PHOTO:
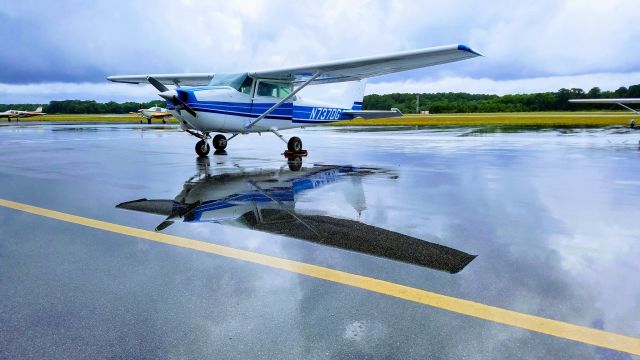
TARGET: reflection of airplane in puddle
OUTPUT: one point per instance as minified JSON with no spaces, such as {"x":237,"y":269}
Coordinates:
{"x":265,"y":201}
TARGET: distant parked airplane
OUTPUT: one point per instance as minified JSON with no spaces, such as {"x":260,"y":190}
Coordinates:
{"x":17,"y":114}
{"x":266,"y":101}
{"x":154,"y":112}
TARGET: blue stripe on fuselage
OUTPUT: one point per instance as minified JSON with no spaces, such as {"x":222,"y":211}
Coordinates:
{"x":287,"y":111}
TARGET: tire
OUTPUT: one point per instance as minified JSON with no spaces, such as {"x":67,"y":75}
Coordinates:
{"x":202,"y":148}
{"x":149,"y":121}
{"x":295,"y":164}
{"x":294,"y":144}
{"x":219,"y":142}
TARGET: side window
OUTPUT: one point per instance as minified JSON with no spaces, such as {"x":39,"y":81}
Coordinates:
{"x":266,"y":89}
{"x":284,"y":89}
{"x":246,"y":86}
{"x":279,"y":90}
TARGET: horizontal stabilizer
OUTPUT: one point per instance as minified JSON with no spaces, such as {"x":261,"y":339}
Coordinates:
{"x":374,"y":114}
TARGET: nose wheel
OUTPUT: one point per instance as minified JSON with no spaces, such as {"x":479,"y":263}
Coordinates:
{"x":202,"y":148}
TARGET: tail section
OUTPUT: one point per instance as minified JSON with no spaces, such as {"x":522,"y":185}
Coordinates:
{"x":39,"y":109}
{"x":355,"y":94}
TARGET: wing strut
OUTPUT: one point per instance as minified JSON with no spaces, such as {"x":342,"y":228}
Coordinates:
{"x":277,"y":105}
{"x":629,"y":108}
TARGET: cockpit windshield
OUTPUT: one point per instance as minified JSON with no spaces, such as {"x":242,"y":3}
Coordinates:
{"x":232,"y":80}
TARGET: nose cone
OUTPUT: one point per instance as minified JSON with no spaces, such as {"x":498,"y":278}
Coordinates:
{"x":168,"y":95}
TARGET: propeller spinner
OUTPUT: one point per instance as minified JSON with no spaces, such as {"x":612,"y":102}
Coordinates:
{"x":171,"y":96}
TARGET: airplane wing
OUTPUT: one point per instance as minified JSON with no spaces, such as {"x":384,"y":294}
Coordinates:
{"x":607,"y":101}
{"x":331,"y":71}
{"x":158,"y":207}
{"x":364,"y":67}
{"x":187,"y":79}
{"x":161,"y":115}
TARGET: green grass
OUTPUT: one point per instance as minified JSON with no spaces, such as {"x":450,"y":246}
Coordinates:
{"x":538,"y":119}
{"x":544,"y":119}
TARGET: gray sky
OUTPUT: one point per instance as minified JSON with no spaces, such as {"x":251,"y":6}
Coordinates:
{"x":65,"y":49}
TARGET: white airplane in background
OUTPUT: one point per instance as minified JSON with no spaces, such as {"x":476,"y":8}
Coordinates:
{"x":17,"y":114}
{"x":266,"y":101}
{"x":620,"y":102}
{"x":154,"y":112}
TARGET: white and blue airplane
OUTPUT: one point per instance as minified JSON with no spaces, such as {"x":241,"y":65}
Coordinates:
{"x":266,"y":101}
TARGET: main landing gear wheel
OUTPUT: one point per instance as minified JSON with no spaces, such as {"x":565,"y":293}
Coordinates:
{"x":149,"y":121}
{"x":295,"y":163}
{"x":202,"y":148}
{"x":294,"y":144}
{"x":219,"y":142}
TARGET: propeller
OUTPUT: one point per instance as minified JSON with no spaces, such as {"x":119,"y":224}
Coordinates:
{"x":182,"y":105}
{"x":157,"y":84}
{"x":178,"y":212}
{"x":163,"y":225}
{"x":170,"y":95}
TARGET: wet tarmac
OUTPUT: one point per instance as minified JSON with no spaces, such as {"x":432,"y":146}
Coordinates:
{"x":542,"y":223}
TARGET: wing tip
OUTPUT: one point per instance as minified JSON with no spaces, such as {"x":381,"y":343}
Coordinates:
{"x":121,"y":79}
{"x":466,"y":48}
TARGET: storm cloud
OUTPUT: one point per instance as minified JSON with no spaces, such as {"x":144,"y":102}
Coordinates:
{"x":76,"y":42}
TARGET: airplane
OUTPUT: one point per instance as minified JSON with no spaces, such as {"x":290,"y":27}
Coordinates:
{"x":267,"y":101}
{"x":265,"y":201}
{"x":154,"y":112}
{"x":620,"y":102}
{"x":17,"y":114}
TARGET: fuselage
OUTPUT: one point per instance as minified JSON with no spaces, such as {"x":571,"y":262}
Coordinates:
{"x":155,"y":112}
{"x":227,"y":109}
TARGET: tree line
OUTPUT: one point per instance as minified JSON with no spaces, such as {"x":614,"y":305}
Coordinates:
{"x":479,"y":103}
{"x":435,"y":103}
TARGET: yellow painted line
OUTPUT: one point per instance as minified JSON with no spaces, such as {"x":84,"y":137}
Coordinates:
{"x":499,"y":315}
